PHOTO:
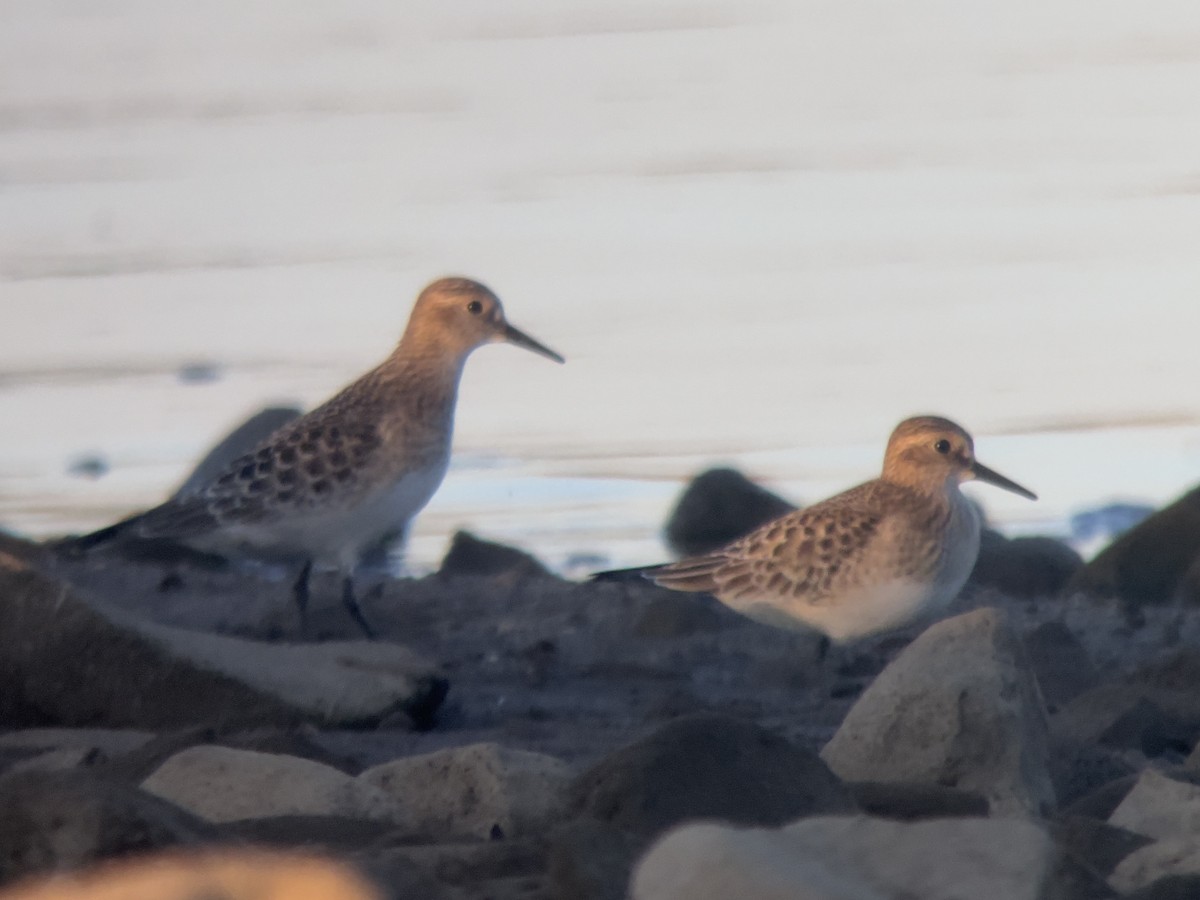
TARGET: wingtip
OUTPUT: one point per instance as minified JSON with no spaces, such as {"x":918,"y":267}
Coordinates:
{"x":637,"y":573}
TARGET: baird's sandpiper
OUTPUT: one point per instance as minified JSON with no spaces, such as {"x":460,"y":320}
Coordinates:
{"x":872,"y":559}
{"x":354,"y":471}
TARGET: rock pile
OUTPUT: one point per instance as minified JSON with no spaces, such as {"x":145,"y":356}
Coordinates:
{"x":515,"y":735}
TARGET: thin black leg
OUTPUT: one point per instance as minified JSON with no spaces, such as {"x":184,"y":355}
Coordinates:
{"x":351,"y":604}
{"x":300,"y":594}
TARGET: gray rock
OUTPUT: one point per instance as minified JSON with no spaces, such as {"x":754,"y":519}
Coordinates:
{"x":958,"y":707}
{"x":1063,"y":667}
{"x":1146,"y":564}
{"x":1103,"y":801}
{"x":482,"y":790}
{"x":1079,"y":770}
{"x":1160,"y":807}
{"x":1098,"y":844}
{"x":62,"y":820}
{"x":669,"y":615}
{"x":1024,"y":567}
{"x":1172,"y":857}
{"x":469,"y":555}
{"x":220,"y":784}
{"x":331,"y":683}
{"x":591,"y":860}
{"x":63,"y":662}
{"x":483,"y":867}
{"x":717,"y":507}
{"x":61,"y":760}
{"x":708,"y":767}
{"x":109,"y":741}
{"x":1170,"y":887}
{"x":850,"y":858}
{"x":1126,"y":716}
{"x":909,"y":802}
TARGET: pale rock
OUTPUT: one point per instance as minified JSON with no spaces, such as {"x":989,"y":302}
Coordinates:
{"x":483,"y":790}
{"x":959,"y":707}
{"x":850,"y":858}
{"x":222,"y":784}
{"x":1160,"y":807}
{"x":1178,"y":855}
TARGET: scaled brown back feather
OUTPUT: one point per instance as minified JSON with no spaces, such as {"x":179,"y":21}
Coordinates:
{"x":804,"y":554}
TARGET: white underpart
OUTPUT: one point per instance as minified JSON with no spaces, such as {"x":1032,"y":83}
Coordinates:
{"x":336,"y":535}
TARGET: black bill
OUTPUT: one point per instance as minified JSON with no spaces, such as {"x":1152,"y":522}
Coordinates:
{"x":983,"y":473}
{"x":521,"y":339}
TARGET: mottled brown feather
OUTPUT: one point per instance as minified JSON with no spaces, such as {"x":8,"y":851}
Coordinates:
{"x":815,"y":553}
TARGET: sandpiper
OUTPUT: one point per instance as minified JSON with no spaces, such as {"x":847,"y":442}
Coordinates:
{"x":872,"y":559}
{"x":332,"y":483}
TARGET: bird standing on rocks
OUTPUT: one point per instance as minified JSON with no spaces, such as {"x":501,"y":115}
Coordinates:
{"x":332,"y":483}
{"x":872,"y":559}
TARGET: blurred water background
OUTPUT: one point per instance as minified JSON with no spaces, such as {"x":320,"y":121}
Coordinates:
{"x":762,"y":232}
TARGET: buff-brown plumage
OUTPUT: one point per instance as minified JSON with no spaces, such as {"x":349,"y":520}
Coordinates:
{"x":353,"y":472}
{"x":873,"y":558}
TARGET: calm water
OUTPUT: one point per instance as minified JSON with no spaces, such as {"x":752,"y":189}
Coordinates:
{"x":761,"y":232}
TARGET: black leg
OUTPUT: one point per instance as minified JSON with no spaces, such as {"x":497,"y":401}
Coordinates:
{"x":351,"y":604}
{"x":300,"y":594}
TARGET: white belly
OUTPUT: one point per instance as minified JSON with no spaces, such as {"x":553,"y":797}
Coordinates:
{"x":335,"y":534}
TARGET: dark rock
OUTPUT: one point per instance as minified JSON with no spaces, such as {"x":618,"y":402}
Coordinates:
{"x":670,"y":615}
{"x":469,"y":863}
{"x":1062,"y":665}
{"x":908,"y":802}
{"x":1125,"y":716}
{"x":62,"y":820}
{"x":1025,"y":566}
{"x":63,"y":663}
{"x":1170,"y":887}
{"x":1147,"y":727}
{"x":1074,"y":879}
{"x":719,"y":506}
{"x":321,"y":833}
{"x":1100,"y":845}
{"x":591,"y":860}
{"x":1187,"y":592}
{"x":1146,"y":564}
{"x":707,"y":767}
{"x":1101,"y":802}
{"x":66,"y":662}
{"x":1079,"y":769}
{"x":469,"y":555}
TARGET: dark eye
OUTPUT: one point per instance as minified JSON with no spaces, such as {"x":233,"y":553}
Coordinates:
{"x":942,"y":446}
{"x":474,"y":307}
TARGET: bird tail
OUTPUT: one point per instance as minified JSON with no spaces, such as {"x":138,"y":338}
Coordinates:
{"x":694,"y":574}
{"x":637,"y":573}
{"x":79,"y":544}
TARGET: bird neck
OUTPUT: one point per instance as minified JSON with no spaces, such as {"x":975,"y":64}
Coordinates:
{"x":420,"y":382}
{"x":918,"y":482}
